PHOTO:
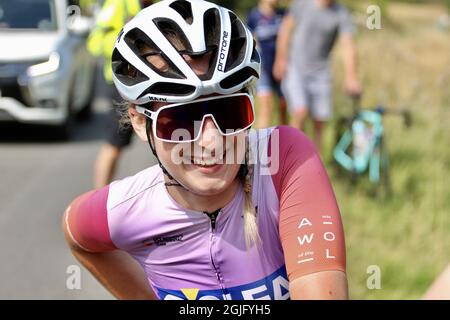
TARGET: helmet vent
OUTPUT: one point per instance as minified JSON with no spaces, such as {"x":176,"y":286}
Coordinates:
{"x":168,"y":88}
{"x":173,"y":33}
{"x":211,"y":23}
{"x":149,"y":53}
{"x":238,"y":78}
{"x":125,"y":71}
{"x":184,"y":9}
{"x":238,"y":43}
{"x":211,"y":27}
{"x":255,"y":54}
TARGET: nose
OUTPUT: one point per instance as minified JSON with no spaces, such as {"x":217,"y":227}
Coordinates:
{"x":210,"y":134}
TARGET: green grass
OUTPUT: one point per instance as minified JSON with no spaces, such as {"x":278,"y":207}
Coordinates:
{"x":408,"y":234}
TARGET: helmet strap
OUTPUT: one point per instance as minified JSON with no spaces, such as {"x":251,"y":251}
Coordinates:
{"x":148,"y":126}
{"x":243,"y":169}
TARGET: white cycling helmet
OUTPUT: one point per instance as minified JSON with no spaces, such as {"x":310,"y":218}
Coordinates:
{"x":201,"y":27}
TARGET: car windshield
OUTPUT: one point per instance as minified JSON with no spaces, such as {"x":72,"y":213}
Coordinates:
{"x":28,"y":14}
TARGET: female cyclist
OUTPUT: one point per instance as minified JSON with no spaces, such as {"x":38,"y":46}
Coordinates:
{"x":228,"y":213}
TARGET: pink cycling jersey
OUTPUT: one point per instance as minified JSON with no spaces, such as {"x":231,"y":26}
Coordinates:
{"x":188,"y":255}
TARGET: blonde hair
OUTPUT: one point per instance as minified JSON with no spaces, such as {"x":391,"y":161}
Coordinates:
{"x":251,"y":231}
{"x":121,"y":108}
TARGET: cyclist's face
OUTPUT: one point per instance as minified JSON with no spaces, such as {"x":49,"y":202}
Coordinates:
{"x":206,"y":166}
{"x":210,"y":164}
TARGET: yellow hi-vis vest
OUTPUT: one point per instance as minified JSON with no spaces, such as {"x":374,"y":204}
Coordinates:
{"x":110,"y":20}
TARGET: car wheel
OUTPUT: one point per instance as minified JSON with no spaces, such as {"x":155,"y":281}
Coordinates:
{"x":86,"y":111}
{"x":64,"y":131}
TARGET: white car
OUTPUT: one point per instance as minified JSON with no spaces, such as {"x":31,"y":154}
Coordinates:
{"x":46,"y":74}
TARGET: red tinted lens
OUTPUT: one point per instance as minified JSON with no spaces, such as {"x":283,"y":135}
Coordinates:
{"x":182,"y":122}
{"x":233,"y":113}
{"x":178,"y":123}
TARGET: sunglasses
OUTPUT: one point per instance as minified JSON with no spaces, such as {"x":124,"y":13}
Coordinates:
{"x":183,"y":122}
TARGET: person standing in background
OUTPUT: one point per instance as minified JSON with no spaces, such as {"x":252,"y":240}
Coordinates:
{"x":264,"y":21}
{"x":307,"y":36}
{"x":88,"y":7}
{"x":110,"y":20}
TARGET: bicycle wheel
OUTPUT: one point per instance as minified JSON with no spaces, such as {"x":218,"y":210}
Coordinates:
{"x":384,"y":185}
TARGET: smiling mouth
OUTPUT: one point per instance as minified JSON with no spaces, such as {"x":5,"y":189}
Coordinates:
{"x":208,"y":162}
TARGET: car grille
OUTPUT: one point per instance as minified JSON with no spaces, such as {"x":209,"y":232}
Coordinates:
{"x":9,"y":73}
{"x":12,"y":90}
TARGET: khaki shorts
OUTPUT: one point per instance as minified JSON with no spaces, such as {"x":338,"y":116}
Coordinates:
{"x":313,"y":92}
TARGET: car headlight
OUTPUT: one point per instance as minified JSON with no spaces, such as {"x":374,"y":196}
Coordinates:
{"x":45,"y":67}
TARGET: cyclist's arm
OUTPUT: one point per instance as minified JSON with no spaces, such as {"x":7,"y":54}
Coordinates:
{"x":86,"y":232}
{"x":324,"y":285}
{"x":310,"y":226}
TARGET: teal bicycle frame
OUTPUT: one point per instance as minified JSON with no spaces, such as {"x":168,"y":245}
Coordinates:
{"x":365,"y":136}
{"x":361,"y":146}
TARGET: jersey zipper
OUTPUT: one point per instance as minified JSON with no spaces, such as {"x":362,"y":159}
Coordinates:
{"x":213,"y":218}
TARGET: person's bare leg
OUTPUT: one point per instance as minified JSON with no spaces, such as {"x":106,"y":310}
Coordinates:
{"x":265,"y":104}
{"x":283,"y":111}
{"x":298,"y":118}
{"x":106,"y":164}
{"x":440,"y":289}
{"x":318,"y":130}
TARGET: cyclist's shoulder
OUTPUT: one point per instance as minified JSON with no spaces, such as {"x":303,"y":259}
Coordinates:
{"x":277,"y":150}
{"x":133,"y":187}
{"x":283,"y":136}
{"x":119,"y":191}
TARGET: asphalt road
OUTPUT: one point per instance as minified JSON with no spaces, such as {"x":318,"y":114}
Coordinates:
{"x":39,"y":176}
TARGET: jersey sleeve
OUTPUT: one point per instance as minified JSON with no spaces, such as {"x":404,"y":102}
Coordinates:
{"x":86,"y":221}
{"x":310,"y":225}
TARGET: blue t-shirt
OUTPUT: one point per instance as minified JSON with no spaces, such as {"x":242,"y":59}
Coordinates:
{"x":265,"y":28}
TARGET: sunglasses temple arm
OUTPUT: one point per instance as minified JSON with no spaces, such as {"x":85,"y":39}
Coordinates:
{"x":148,"y":113}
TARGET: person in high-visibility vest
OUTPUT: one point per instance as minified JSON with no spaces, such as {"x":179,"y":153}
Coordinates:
{"x":110,"y":20}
